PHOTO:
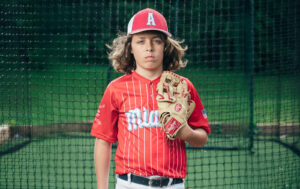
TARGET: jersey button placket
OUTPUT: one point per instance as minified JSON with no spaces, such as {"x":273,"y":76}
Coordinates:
{"x":150,"y":84}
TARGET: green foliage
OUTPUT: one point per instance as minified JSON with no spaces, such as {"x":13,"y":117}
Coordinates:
{"x":54,"y":69}
{"x":36,"y":34}
{"x":11,"y":123}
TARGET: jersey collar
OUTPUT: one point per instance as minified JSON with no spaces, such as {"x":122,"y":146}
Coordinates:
{"x":140,"y":77}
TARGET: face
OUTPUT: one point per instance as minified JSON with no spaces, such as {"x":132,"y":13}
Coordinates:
{"x":148,"y":51}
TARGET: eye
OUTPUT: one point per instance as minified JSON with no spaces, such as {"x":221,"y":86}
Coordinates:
{"x":158,"y":41}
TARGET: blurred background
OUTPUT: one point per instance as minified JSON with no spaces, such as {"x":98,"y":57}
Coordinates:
{"x":243,"y":58}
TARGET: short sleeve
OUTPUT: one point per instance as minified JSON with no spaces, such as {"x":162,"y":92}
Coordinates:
{"x":105,"y":123}
{"x":198,"y":119}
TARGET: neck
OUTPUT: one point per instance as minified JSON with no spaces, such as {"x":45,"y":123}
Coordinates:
{"x":151,"y":75}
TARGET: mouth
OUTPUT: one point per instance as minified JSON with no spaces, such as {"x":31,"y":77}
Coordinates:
{"x":149,"y":57}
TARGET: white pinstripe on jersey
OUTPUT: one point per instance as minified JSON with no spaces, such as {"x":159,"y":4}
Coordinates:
{"x":143,"y":148}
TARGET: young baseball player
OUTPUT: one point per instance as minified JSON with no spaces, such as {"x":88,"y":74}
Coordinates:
{"x":150,"y":111}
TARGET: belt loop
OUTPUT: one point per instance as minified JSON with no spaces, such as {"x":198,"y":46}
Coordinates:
{"x":129,"y":177}
{"x":170,"y":182}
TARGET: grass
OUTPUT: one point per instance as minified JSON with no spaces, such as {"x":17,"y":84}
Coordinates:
{"x":242,"y":169}
{"x":73,"y":93}
{"x":67,"y":162}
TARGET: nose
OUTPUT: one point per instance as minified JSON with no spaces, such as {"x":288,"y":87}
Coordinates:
{"x":149,"y":46}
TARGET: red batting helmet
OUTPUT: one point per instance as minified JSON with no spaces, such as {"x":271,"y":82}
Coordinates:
{"x":148,"y":19}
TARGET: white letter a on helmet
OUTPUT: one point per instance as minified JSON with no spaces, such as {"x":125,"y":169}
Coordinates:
{"x":151,"y":19}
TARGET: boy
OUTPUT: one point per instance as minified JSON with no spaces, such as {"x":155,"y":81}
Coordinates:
{"x":128,"y":112}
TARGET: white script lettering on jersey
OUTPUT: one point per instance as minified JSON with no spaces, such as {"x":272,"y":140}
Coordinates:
{"x":151,"y":19}
{"x":136,"y":118}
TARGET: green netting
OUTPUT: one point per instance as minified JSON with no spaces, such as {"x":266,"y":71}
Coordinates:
{"x":243,"y":60}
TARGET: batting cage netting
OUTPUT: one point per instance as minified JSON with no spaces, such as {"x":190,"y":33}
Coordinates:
{"x":243,"y":60}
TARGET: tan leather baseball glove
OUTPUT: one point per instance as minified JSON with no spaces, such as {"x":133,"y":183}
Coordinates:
{"x":174,"y":103}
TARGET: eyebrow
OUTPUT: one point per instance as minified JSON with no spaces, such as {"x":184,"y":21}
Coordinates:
{"x":156,"y":36}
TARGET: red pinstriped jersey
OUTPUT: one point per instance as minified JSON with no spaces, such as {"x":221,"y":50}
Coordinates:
{"x":128,"y":114}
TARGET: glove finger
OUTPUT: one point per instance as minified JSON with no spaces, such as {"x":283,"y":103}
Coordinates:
{"x":182,"y":88}
{"x":164,"y":117}
{"x":164,"y":89}
{"x":170,"y":85}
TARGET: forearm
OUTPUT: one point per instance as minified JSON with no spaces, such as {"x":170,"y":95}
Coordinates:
{"x":195,"y":137}
{"x":102,"y":156}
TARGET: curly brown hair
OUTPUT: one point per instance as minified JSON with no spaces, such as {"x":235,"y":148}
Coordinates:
{"x":123,"y":61}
